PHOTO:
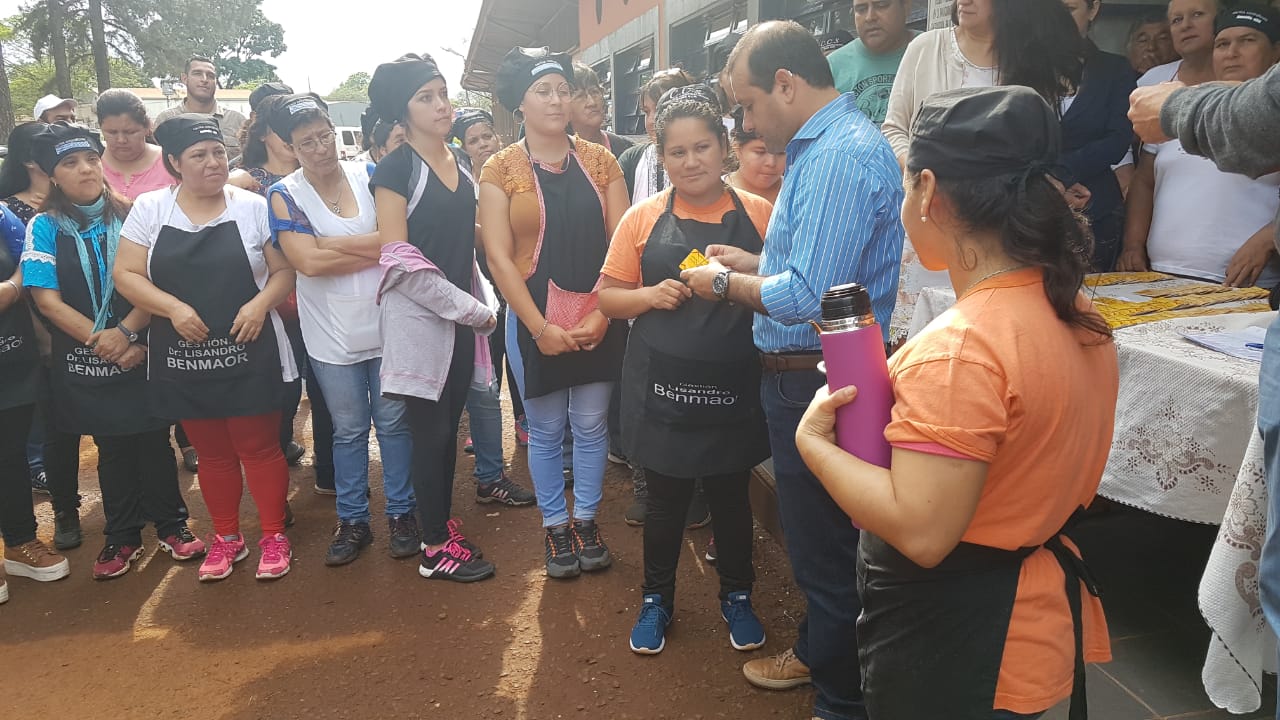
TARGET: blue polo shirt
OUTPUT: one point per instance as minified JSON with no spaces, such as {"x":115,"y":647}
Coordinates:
{"x":837,"y":220}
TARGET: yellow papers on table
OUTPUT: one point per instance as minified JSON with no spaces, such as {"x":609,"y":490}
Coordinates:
{"x":1168,"y":298}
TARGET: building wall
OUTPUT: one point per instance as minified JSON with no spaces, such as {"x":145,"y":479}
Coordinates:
{"x":600,"y":18}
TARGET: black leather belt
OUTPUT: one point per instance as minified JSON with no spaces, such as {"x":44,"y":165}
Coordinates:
{"x":790,"y":362}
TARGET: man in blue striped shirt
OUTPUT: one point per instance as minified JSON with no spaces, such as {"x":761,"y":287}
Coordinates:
{"x":837,"y":220}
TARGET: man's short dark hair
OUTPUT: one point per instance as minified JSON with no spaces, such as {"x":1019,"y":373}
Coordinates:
{"x":782,"y":45}
{"x":186,"y":70}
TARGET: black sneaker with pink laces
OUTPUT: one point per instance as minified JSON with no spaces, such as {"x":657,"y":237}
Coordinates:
{"x":456,"y":563}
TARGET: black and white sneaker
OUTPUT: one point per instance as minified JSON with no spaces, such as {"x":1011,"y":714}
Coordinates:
{"x":588,"y":545}
{"x":562,"y":563}
{"x":454,"y":562}
{"x":504,"y":491}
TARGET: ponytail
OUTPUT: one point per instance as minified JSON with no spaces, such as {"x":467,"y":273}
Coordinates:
{"x":1036,"y":228}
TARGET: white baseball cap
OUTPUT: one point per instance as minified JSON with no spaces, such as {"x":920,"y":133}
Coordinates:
{"x":49,"y":102}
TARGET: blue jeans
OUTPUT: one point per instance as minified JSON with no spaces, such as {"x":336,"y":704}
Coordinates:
{"x":585,"y":409}
{"x":354,"y":396}
{"x":1269,"y":425}
{"x":823,"y":547}
{"x":484,"y":406}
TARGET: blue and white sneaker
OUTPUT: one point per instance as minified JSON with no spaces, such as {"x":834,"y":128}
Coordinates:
{"x":649,"y":636}
{"x":745,"y":630}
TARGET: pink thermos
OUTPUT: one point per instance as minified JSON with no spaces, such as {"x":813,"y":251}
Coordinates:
{"x":853,"y":351}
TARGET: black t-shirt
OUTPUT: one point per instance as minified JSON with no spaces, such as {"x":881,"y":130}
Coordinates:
{"x":618,"y":144}
{"x":442,"y":223}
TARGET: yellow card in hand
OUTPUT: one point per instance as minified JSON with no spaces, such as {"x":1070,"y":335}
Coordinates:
{"x":694,"y":259}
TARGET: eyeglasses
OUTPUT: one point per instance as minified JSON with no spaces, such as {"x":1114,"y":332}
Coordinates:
{"x":594,"y":91}
{"x":315,"y":144}
{"x":544,"y":92}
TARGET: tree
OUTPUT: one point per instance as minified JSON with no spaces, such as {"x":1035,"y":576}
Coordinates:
{"x":58,"y":48}
{"x":31,"y":81}
{"x":6,"y":106}
{"x":355,"y":87}
{"x":98,"y":33}
{"x":466,"y":98}
{"x":235,"y":34}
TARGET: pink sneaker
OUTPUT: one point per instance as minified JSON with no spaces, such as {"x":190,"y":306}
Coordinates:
{"x":224,"y":552}
{"x":456,"y":536}
{"x":115,"y":560}
{"x":182,"y":545}
{"x":276,"y":555}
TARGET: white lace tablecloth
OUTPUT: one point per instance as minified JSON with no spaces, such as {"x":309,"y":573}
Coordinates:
{"x":1186,"y":446}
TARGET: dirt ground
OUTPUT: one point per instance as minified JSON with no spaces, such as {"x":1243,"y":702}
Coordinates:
{"x":373,"y":639}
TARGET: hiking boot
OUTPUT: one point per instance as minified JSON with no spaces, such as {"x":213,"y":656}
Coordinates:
{"x":561,"y":561}
{"x":745,"y":630}
{"x":293,"y":453}
{"x":115,"y":560}
{"x":66,"y":530}
{"x":712,"y":555}
{"x":190,"y":460}
{"x":454,"y":562}
{"x":36,"y":561}
{"x":699,"y":514}
{"x":780,"y":672}
{"x":182,"y":545}
{"x":504,"y":491}
{"x":634,"y":516}
{"x":40,"y":483}
{"x":456,"y":536}
{"x":224,"y":552}
{"x":588,"y":545}
{"x":277,"y":556}
{"x":649,"y":634}
{"x":405,"y":539}
{"x":348,"y":540}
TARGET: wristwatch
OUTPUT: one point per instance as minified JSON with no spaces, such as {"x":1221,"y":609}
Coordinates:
{"x":720,"y":284}
{"x":129,"y":335}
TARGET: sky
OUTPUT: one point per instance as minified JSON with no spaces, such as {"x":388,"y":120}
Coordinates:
{"x":329,"y":41}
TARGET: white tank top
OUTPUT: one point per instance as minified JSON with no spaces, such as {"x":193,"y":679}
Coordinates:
{"x":338,"y":313}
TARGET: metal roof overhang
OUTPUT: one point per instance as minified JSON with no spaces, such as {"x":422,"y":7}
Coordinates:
{"x":504,"y":24}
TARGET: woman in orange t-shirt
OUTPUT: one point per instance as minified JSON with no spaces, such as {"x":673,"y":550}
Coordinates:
{"x":691,"y":376}
{"x":975,"y":603}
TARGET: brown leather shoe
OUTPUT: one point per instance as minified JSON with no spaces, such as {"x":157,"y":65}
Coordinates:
{"x":36,"y":561}
{"x":780,"y":672}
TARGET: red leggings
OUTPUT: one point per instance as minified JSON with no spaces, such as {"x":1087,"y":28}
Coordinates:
{"x":224,"y":444}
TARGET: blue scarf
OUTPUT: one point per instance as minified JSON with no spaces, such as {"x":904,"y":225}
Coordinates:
{"x":94,"y":227}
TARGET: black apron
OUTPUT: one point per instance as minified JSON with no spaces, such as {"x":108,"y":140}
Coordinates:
{"x":931,"y":641}
{"x":691,"y":377}
{"x":19,"y":358}
{"x":209,"y":270}
{"x":573,"y":246}
{"x":90,"y":395}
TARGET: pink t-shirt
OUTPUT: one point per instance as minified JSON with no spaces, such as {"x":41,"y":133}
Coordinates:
{"x":153,"y":178}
